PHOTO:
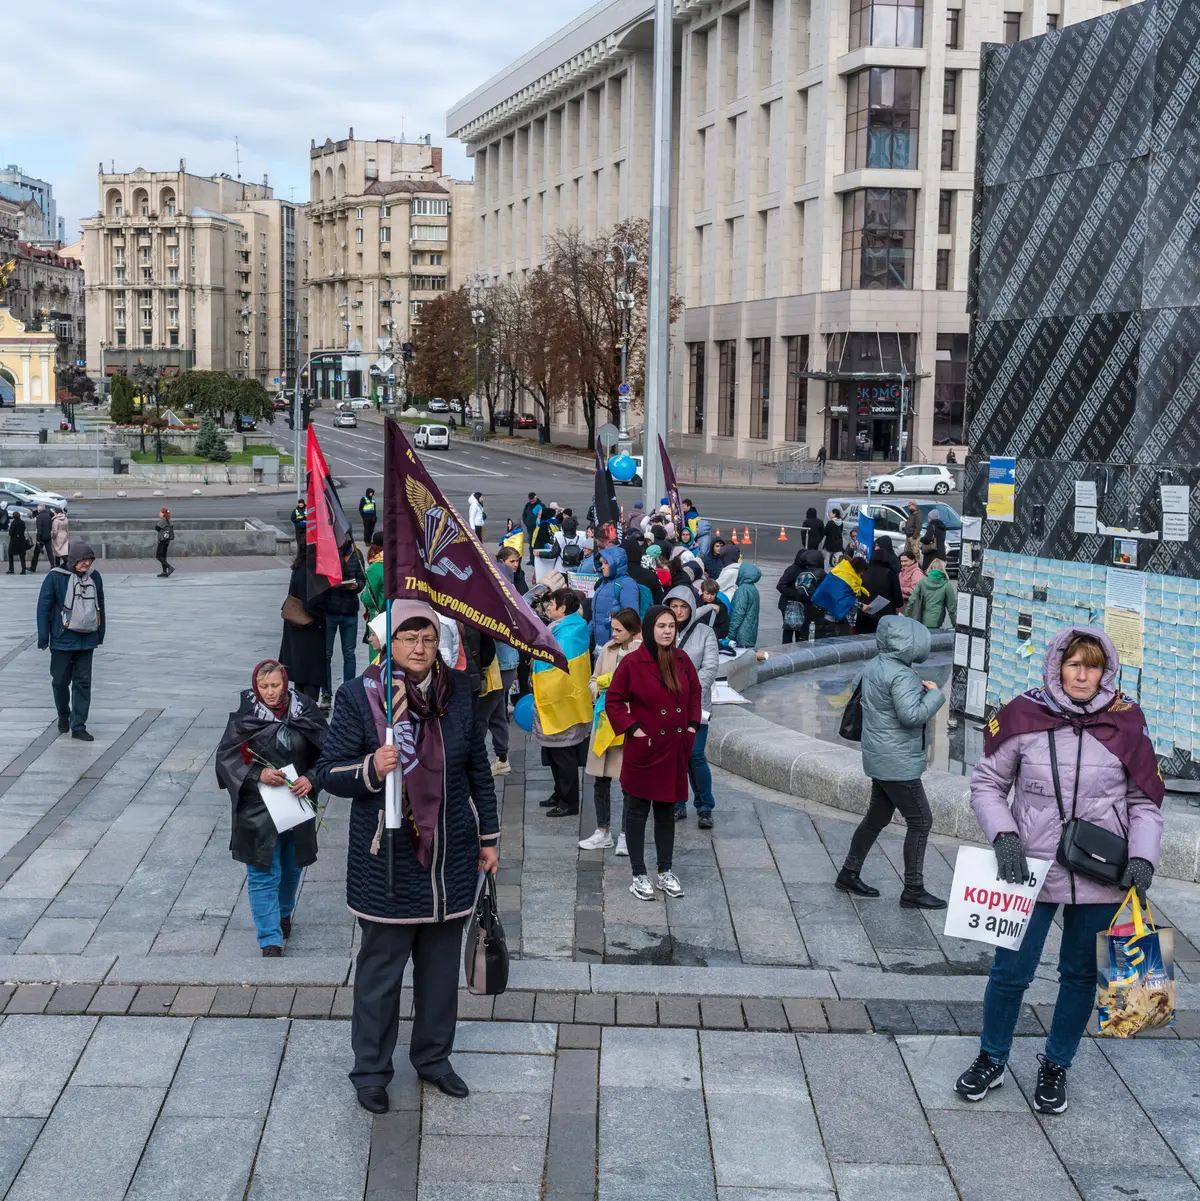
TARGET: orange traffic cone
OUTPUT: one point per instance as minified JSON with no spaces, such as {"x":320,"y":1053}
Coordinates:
{"x":718,"y":533}
{"x":746,"y":535}
{"x":733,"y":537}
{"x":782,"y":535}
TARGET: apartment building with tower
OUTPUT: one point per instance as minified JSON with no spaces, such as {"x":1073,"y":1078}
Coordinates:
{"x":823,"y":174}
{"x":193,"y":272}
{"x":388,"y":231}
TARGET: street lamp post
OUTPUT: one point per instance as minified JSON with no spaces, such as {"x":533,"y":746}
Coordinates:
{"x":477,"y":286}
{"x":626,"y":263}
{"x":103,"y":344}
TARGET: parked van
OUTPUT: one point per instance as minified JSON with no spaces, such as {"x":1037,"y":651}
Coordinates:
{"x":890,"y":516}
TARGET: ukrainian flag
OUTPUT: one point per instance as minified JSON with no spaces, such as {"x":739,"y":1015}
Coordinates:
{"x":563,"y":698}
{"x":516,"y":540}
{"x":603,"y":735}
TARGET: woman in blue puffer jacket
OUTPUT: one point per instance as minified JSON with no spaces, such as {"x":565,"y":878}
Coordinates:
{"x":615,"y":591}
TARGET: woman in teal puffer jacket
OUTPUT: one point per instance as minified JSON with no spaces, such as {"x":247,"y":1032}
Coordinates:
{"x":743,"y":615}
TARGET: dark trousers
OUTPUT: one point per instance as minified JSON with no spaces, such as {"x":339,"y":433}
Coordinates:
{"x":348,"y":625}
{"x":41,"y":547}
{"x":524,"y":672}
{"x":564,"y":768}
{"x":636,"y":812}
{"x":312,"y":691}
{"x":71,"y":682}
{"x":161,"y":555}
{"x":369,"y":520}
{"x":435,"y":949}
{"x":18,"y":555}
{"x":603,"y":799}
{"x":886,"y":797}
{"x":491,"y":714}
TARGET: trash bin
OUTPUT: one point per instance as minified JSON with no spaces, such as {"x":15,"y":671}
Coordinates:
{"x":43,"y":436}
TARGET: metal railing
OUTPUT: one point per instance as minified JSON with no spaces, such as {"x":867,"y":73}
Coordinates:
{"x":789,"y":452}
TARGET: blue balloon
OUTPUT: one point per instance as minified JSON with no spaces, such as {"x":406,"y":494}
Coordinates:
{"x":623,"y":468}
{"x":523,"y":712}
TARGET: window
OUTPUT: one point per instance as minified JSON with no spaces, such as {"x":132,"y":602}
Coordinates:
{"x":696,"y":351}
{"x":172,"y":254}
{"x":120,"y":273}
{"x":435,"y":260}
{"x":943,"y":271}
{"x":358,"y":237}
{"x":172,"y":275}
{"x":883,"y":116}
{"x":121,"y":336}
{"x":795,"y":421}
{"x":430,"y":233}
{"x":147,"y":275}
{"x":170,"y":208}
{"x":416,"y":260}
{"x":726,"y":388}
{"x":358,"y":214}
{"x":385,"y":233}
{"x":145,"y":254}
{"x":173,"y":296}
{"x":945,"y":212}
{"x":878,"y":238}
{"x":147,"y":336}
{"x":1012,"y":28}
{"x":145,"y":210}
{"x":948,"y":140}
{"x":953,"y":28}
{"x":120,"y":255}
{"x":118,"y":211}
{"x":385,"y":210}
{"x":950,"y":92}
{"x":414,"y":309}
{"x":172,"y":318}
{"x":886,"y":23}
{"x":428,"y":283}
{"x":950,"y":390}
{"x":1051,"y":22}
{"x":423,"y":206}
{"x":760,"y":387}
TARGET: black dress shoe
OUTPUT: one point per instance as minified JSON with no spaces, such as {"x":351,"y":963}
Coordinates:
{"x":82,"y":735}
{"x":64,"y":724}
{"x":549,"y":803}
{"x":452,"y":1084}
{"x":373,"y":1098}
{"x":562,"y":811}
{"x":852,"y":882}
{"x":920,"y":900}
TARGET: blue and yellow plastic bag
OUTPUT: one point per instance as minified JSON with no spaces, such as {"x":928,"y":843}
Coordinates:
{"x":1135,"y":964}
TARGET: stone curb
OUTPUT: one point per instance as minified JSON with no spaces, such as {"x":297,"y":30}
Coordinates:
{"x":802,"y":766}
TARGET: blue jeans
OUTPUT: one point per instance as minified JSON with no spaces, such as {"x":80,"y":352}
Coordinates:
{"x":1013,"y":970}
{"x":700,"y":775}
{"x":272,"y":893}
{"x":348,"y":624}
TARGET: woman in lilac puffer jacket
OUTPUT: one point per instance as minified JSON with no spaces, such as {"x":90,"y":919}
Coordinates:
{"x":1108,"y":774}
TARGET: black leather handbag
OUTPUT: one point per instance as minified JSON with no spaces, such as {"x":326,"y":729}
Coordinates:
{"x":486,"y":956}
{"x":851,"y":727}
{"x":1084,"y":847}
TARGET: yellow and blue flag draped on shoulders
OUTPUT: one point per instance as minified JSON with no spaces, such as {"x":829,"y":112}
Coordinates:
{"x":515,"y":540}
{"x":603,"y":735}
{"x":563,"y":698}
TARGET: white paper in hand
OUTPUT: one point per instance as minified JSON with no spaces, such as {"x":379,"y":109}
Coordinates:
{"x":392,"y":784}
{"x":286,"y":809}
{"x":985,"y":909}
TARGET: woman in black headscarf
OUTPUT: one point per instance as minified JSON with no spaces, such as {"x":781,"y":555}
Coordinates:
{"x":634,"y":548}
{"x":273,"y":728}
{"x":881,"y":579}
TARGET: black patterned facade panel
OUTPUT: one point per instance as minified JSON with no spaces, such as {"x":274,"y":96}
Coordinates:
{"x":1065,"y":244}
{"x":1054,"y":386}
{"x":1081,"y":96}
{"x":1172,"y":257}
{"x":1167,"y":426}
{"x":1177,"y":75}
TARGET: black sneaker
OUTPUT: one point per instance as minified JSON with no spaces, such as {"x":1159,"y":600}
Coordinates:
{"x":1050,"y":1096}
{"x":705,"y":821}
{"x":982,"y":1076}
{"x":82,"y":735}
{"x":64,"y":724}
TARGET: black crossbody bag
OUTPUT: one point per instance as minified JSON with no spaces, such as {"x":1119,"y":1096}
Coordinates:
{"x":1084,"y":847}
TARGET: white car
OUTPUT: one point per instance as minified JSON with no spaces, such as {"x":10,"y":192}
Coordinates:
{"x":438,"y":405}
{"x":345,"y":417}
{"x":361,"y":402}
{"x":27,"y":494}
{"x":432,"y":437}
{"x":917,"y":477}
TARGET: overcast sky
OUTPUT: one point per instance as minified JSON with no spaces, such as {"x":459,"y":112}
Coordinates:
{"x":112,"y":80}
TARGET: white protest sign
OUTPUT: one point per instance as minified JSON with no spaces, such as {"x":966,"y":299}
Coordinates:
{"x":985,"y":909}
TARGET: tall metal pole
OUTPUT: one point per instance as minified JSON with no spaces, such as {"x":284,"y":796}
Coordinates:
{"x":658,"y":310}
{"x":297,"y":414}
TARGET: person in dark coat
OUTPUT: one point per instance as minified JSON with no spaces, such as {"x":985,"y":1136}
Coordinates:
{"x":635,"y":548}
{"x":834,"y":542}
{"x":339,"y":607}
{"x":712,"y":558}
{"x":71,"y":621}
{"x":18,"y":542}
{"x":796,"y":586}
{"x":302,"y":649}
{"x":164,"y":536}
{"x":512,"y":558}
{"x":529,"y":519}
{"x":655,"y":701}
{"x":933,"y":541}
{"x":882,"y":578}
{"x":272,"y":728}
{"x":812,"y":531}
{"x":447,"y":834}
{"x":711,"y":599}
{"x":366,"y":510}
{"x":300,"y":524}
{"x":43,"y":531}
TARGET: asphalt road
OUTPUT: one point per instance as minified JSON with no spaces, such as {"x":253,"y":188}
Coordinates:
{"x":355,"y":457}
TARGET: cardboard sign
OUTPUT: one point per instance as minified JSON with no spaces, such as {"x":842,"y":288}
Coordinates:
{"x":985,"y":909}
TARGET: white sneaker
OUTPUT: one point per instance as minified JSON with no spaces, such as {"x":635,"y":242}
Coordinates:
{"x":599,"y":841}
{"x":501,"y":767}
{"x":642,"y":888}
{"x":669,"y":883}
{"x":622,"y":849}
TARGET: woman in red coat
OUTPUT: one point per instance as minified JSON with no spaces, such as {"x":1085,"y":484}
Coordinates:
{"x":654,"y":700}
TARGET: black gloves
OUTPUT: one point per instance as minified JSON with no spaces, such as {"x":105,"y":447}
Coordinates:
{"x":1138,"y":874}
{"x":1010,"y":859}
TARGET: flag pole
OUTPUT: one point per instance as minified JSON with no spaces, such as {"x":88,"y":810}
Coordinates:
{"x":389,"y":786}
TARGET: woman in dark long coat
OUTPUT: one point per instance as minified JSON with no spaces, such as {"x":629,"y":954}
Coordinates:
{"x":882,"y":578}
{"x":302,"y":650}
{"x":654,"y":700}
{"x":449,"y":834}
{"x":273,"y":728}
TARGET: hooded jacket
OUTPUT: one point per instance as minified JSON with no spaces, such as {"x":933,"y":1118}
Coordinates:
{"x":699,"y":640}
{"x":931,"y":599}
{"x":806,"y":560}
{"x":617,"y":590}
{"x":880,"y":579}
{"x":834,"y":543}
{"x":813,"y":530}
{"x":910,"y":576}
{"x":704,"y":537}
{"x":1101,"y":791}
{"x":50,"y":629}
{"x":634,"y":549}
{"x":475,"y":514}
{"x":743,"y":614}
{"x":896,"y":706}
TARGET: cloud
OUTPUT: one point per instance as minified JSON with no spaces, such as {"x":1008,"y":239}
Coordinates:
{"x":133,"y":85}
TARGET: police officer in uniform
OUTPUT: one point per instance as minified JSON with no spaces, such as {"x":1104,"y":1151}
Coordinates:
{"x":366,"y":509}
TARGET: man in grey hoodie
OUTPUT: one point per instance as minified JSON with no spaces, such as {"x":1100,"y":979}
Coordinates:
{"x":699,"y":642}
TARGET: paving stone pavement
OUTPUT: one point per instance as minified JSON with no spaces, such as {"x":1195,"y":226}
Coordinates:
{"x":764,"y":1038}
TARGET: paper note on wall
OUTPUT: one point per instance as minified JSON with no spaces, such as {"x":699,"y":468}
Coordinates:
{"x":979,"y":612}
{"x":1125,"y":628}
{"x":1002,"y":488}
{"x":962,"y":614}
{"x":978,"y":654}
{"x":1175,"y":527}
{"x":976,"y":693}
{"x":962,"y":649}
{"x":1085,"y":521}
{"x":1085,"y":494}
{"x":1125,"y":590}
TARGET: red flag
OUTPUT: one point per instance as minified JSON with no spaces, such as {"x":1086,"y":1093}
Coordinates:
{"x":327,"y":525}
{"x":671,"y":488}
{"x":432,"y":554}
